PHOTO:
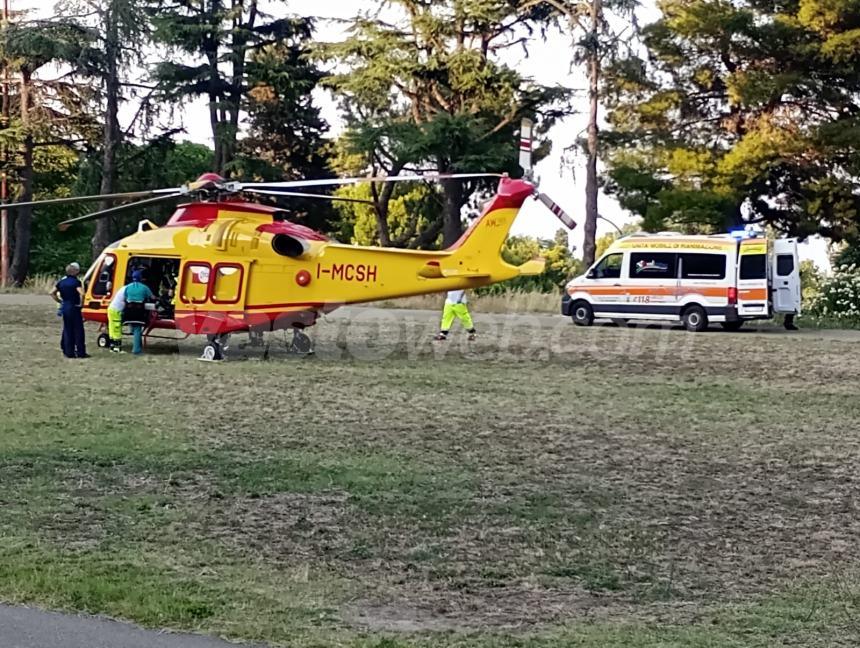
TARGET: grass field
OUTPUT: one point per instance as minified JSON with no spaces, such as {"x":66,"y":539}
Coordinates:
{"x":547,"y":486}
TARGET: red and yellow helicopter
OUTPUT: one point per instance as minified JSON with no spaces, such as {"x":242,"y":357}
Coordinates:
{"x":234,"y":265}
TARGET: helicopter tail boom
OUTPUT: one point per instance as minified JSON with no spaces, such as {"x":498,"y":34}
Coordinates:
{"x":478,"y":252}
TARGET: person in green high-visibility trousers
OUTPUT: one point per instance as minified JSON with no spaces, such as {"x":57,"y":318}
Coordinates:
{"x":114,"y":313}
{"x":455,"y":307}
{"x":137,"y":294}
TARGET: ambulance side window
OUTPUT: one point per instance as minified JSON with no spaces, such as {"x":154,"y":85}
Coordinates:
{"x":609,"y":267}
{"x":784,"y":264}
{"x":753,"y":266}
{"x":703,"y":266}
{"x":652,"y":265}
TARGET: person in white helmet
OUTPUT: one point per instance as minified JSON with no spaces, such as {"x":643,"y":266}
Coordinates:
{"x":455,"y":307}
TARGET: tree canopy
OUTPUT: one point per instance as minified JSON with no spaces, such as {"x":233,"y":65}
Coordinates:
{"x":722,"y":112}
{"x":430,"y":92}
{"x":741,"y":111}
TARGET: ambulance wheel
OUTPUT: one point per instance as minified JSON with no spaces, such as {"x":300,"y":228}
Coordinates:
{"x":695,"y":319}
{"x":582,"y":313}
{"x":103,"y":341}
{"x":733,"y":326}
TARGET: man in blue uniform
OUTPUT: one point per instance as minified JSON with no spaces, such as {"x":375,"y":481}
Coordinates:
{"x":69,"y":294}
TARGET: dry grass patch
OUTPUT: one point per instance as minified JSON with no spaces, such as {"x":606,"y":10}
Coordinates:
{"x":483,"y":493}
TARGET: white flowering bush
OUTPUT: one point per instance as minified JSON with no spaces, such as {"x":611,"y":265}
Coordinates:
{"x":838,"y":296}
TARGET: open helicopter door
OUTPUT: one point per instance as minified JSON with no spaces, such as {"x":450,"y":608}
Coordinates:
{"x":785,"y":273}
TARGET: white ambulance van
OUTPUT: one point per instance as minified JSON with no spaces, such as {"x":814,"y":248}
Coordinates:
{"x":696,"y":280}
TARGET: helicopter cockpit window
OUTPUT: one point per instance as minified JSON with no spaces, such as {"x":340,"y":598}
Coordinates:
{"x":104,"y":278}
{"x":227,"y":283}
{"x":195,"y":282}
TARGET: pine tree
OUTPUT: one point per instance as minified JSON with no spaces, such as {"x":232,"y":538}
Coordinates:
{"x":285,"y":137}
{"x":223,"y":35}
{"x":44,"y":113}
{"x":742,"y":111}
{"x":428,"y":92}
{"x":121,"y":32}
{"x":595,"y":43}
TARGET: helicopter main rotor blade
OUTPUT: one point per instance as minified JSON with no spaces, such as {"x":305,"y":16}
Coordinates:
{"x":120,"y":208}
{"x":77,"y":199}
{"x":333,"y":182}
{"x":299,"y":194}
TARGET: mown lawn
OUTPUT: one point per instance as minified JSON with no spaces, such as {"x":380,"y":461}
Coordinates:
{"x":546,"y":486}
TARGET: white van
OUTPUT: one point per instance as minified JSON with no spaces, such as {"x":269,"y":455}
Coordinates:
{"x":695,"y":280}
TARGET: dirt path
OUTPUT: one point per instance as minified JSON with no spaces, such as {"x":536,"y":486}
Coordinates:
{"x":22,"y":627}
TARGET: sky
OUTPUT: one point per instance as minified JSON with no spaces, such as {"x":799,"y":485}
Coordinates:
{"x":548,"y":62}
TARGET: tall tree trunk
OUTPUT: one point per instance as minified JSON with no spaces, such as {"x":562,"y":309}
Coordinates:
{"x":382,"y":202}
{"x":452,"y":225}
{"x":239,"y":46}
{"x":21,"y":257}
{"x":215,"y":108}
{"x":103,"y":236}
{"x":217,"y":157}
{"x":380,"y":210}
{"x":591,"y":212}
{"x":215,"y":93}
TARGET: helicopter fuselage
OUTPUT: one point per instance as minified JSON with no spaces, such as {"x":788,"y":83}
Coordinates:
{"x":230,"y":266}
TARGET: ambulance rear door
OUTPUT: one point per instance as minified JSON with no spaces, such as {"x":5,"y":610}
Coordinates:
{"x":753,"y":287}
{"x":785,"y":273}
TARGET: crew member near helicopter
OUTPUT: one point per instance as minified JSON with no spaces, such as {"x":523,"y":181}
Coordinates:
{"x":455,"y":306}
{"x":69,"y":294}
{"x":114,"y":313}
{"x":137,"y":294}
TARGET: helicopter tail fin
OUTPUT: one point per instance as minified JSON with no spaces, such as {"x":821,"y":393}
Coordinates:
{"x":484,"y":239}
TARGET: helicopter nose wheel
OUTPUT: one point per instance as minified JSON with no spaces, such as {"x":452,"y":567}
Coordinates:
{"x":214,"y":351}
{"x":103,"y":341}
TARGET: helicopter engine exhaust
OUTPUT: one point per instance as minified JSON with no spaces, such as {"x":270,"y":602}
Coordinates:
{"x":289,"y":246}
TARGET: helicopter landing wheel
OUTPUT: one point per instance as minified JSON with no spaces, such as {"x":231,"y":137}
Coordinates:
{"x":103,"y":341}
{"x":214,"y":351}
{"x":209,"y":353}
{"x":301,"y":344}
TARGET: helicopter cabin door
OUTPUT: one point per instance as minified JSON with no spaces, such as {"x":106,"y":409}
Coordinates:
{"x":227,"y":286}
{"x":221,"y":285}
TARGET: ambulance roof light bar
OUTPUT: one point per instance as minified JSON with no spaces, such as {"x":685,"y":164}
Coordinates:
{"x":647,"y":234}
{"x":750,"y":231}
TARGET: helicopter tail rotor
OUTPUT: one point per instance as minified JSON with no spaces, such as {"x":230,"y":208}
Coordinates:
{"x":554,"y":207}
{"x":526,"y":148}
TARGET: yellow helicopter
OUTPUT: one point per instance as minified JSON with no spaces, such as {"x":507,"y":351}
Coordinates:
{"x":232,"y":265}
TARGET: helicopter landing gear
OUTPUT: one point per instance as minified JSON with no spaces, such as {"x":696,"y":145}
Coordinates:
{"x":301,"y":344}
{"x":214,"y":351}
{"x":255,"y":340}
{"x":103,"y":341}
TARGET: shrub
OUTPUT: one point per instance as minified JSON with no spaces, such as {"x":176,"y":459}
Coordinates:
{"x":838,"y":297}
